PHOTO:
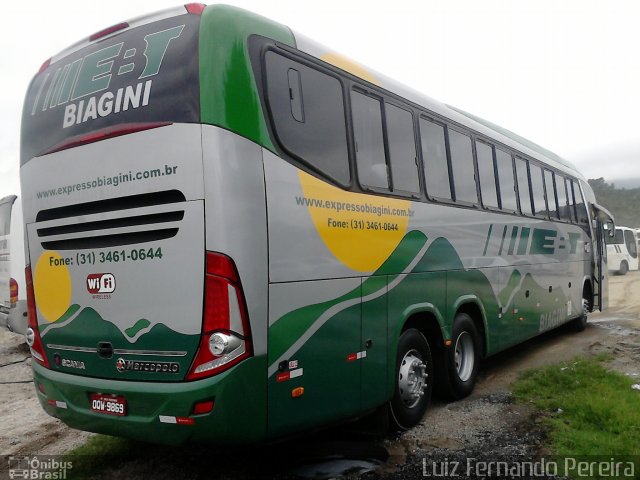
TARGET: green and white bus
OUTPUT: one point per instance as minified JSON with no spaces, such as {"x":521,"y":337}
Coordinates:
{"x":235,"y":234}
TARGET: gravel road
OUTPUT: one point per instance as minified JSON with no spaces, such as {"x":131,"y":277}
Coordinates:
{"x":486,"y":423}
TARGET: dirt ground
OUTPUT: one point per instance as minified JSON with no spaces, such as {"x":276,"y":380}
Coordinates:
{"x":486,"y":423}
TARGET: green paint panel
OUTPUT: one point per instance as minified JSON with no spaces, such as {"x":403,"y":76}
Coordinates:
{"x":238,"y":416}
{"x":375,"y":387}
{"x":228,"y":94}
{"x":88,"y":329}
{"x":286,"y":330}
{"x":331,"y":383}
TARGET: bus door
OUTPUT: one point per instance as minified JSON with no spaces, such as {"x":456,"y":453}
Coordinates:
{"x":600,"y":270}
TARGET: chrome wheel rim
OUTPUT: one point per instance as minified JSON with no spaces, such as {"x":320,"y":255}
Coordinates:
{"x":464,"y":356}
{"x":412,"y":378}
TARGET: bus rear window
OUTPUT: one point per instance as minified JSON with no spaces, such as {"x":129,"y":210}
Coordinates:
{"x":144,"y":75}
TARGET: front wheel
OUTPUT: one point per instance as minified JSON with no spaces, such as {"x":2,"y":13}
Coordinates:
{"x":624,"y":268}
{"x":580,"y":323}
{"x":462,"y":359}
{"x":414,"y":380}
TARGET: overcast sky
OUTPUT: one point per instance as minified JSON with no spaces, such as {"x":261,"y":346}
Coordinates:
{"x":564,"y":74}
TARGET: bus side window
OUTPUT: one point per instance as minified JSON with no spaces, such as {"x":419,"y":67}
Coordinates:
{"x":402,"y":149}
{"x":551,"y":194}
{"x":630,"y":241}
{"x":506,"y":181}
{"x":306,"y":107}
{"x":563,"y":198}
{"x":537,"y":188}
{"x":524,"y":192}
{"x":464,"y":177}
{"x":581,"y":207}
{"x":487,"y":172}
{"x":369,"y":142}
{"x":434,"y":154}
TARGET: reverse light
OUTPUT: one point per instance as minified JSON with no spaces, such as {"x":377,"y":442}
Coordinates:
{"x":33,"y":335}
{"x":226,"y":338}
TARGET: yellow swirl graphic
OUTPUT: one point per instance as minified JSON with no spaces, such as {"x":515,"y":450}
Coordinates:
{"x":360,"y":230}
{"x":52,"y":286}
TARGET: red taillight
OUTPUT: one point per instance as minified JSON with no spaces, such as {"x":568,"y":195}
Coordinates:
{"x":105,"y":133}
{"x":13,"y":291}
{"x":195,"y":8}
{"x":108,"y":31}
{"x":226,"y":338}
{"x":33,"y":335}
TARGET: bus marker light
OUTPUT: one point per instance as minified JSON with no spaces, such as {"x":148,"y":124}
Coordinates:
{"x":42,"y":389}
{"x":448,"y":343}
{"x":297,"y":392}
{"x":195,"y":8}
{"x":108,"y":31}
{"x":201,"y":408}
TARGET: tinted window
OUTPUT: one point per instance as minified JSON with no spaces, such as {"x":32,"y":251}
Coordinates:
{"x":506,"y":181}
{"x":551,"y":194}
{"x":402,"y":149}
{"x":367,"y":129}
{"x":487,"y":173}
{"x":523,"y":186}
{"x":308,"y":115}
{"x":630,"y":241}
{"x":581,"y":208}
{"x":464,"y":178}
{"x":563,"y":198}
{"x":434,"y":153}
{"x":537,"y":188}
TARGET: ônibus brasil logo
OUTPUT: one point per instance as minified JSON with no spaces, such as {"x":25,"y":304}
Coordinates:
{"x":98,"y":283}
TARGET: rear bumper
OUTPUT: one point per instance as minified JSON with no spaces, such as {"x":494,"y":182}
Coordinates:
{"x":238,"y":416}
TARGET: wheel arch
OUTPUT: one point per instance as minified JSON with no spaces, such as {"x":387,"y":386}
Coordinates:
{"x":472,"y":306}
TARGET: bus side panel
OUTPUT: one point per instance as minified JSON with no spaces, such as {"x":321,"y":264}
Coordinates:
{"x":236,"y":225}
{"x":315,"y":346}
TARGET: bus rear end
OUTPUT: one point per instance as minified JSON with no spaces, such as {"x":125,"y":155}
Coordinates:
{"x":137,"y":327}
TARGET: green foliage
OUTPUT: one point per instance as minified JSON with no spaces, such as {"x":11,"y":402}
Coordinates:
{"x":588,"y":410}
{"x":623,"y":203}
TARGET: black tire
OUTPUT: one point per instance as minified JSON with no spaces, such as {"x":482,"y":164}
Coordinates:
{"x":458,"y":380}
{"x":403,"y":415}
{"x":580,"y":323}
{"x":624,"y":268}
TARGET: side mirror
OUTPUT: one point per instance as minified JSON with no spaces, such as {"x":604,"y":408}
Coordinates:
{"x":611,"y":229}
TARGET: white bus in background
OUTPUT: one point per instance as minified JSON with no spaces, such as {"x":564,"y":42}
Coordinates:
{"x":13,"y":303}
{"x":622,"y":250}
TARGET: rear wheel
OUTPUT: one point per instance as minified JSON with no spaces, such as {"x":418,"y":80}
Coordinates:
{"x":414,"y":380}
{"x":462,"y":359}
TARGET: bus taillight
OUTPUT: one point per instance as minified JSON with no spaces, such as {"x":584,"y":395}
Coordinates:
{"x":226,"y":338}
{"x":13,"y":291}
{"x":33,"y":335}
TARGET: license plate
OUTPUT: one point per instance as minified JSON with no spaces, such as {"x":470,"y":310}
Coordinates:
{"x":109,"y":404}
